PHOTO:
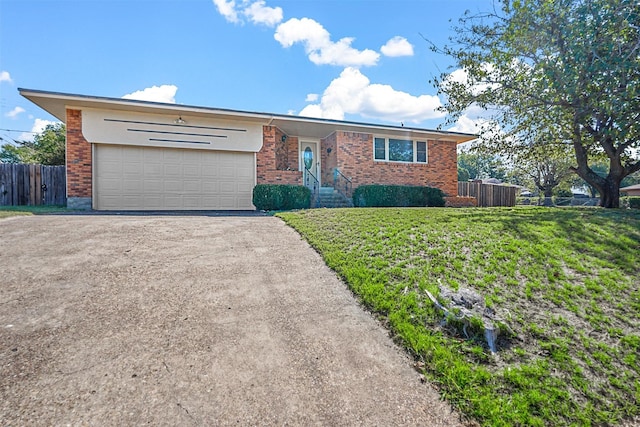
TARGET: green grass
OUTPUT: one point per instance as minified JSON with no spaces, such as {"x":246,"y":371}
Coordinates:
{"x":564,"y":281}
{"x":8,"y":211}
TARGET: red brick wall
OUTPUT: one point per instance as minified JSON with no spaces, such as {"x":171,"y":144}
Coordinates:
{"x":293,"y":153}
{"x":266,"y":170}
{"x":329,"y":161}
{"x":352,"y":153}
{"x":79,"y":162}
{"x":355,"y":160}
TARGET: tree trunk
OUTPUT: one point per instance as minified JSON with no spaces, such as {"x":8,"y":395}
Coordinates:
{"x":610,"y":196}
{"x":609,"y":187}
{"x":548,"y":195}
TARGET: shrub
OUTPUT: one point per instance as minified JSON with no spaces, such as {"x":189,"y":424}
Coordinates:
{"x":632,"y":202}
{"x":397,"y":196}
{"x":272,"y":197}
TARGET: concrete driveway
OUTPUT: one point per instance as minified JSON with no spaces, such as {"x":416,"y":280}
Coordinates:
{"x":190,"y":320}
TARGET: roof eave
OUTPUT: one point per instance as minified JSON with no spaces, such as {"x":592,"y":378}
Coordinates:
{"x":56,"y":103}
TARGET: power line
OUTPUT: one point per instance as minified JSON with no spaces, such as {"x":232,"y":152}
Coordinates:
{"x":13,"y":130}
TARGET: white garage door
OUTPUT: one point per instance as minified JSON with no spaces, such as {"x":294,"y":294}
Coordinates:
{"x":149,"y":178}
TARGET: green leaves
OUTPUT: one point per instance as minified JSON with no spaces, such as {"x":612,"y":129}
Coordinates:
{"x":47,"y":148}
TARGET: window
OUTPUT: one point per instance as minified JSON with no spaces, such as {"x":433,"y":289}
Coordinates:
{"x":380,"y":152}
{"x":421,"y":152}
{"x":399,"y":150}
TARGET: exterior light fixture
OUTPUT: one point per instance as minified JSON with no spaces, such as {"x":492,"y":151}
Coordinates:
{"x":179,"y":121}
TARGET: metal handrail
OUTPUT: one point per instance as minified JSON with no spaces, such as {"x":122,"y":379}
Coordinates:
{"x":315,"y":190}
{"x":337,"y":175}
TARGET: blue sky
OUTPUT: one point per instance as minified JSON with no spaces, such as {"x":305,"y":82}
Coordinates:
{"x":360,"y":60}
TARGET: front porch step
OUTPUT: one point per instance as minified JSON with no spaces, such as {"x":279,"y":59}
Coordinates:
{"x":328,"y":197}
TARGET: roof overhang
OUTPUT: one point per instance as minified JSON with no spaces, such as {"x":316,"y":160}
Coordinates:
{"x":56,"y":104}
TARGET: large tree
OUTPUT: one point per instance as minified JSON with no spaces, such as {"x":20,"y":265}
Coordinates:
{"x":47,"y":148}
{"x":569,"y":69}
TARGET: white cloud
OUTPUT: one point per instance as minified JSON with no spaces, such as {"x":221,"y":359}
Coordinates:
{"x":461,"y":76}
{"x":353,"y":93}
{"x":319,"y":47}
{"x":311,"y":97}
{"x":259,"y":13}
{"x":15,"y":112}
{"x":5,"y":77}
{"x":466,"y":124}
{"x":163,"y":93}
{"x":227,"y":9}
{"x":397,"y":46}
{"x":38,"y":126}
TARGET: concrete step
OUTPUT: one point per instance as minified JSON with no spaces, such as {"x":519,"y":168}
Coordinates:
{"x":328,"y":197}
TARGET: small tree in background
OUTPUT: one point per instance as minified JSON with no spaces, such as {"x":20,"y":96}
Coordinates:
{"x":47,"y":148}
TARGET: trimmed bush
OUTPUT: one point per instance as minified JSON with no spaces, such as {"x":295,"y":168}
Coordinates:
{"x":397,"y":196}
{"x":279,"y":197}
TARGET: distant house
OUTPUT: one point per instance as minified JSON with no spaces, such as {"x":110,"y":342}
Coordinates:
{"x":136,"y":155}
{"x":632,"y":190}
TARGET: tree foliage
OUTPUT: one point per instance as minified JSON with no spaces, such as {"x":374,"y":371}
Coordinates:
{"x":557,"y":73}
{"x":47,"y":148}
{"x":479,"y":165}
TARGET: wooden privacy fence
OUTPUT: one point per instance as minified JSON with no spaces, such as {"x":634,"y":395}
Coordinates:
{"x":488,"y":194}
{"x":32,"y":185}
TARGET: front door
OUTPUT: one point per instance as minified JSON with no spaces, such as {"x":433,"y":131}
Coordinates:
{"x":310,"y":164}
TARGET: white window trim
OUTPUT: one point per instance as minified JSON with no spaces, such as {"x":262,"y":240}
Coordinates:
{"x":415,"y":150}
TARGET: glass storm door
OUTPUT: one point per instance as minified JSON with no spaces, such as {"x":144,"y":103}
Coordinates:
{"x":310,"y":163}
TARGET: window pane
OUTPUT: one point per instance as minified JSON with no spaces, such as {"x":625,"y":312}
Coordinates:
{"x":400,"y":150}
{"x":379,"y":152}
{"x":421,"y":152}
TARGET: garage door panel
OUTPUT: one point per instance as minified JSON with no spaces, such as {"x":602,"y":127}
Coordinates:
{"x":172,"y":156}
{"x":112,"y":184}
{"x":135,"y":202}
{"x":227,"y":172}
{"x":172,"y":186}
{"x":192,"y":171}
{"x":244,"y":173}
{"x":172,"y":202}
{"x":146,"y":178}
{"x":152,"y":170}
{"x":190,"y":202}
{"x":173,"y":170}
{"x":131,"y":186}
{"x":243,"y":187}
{"x":191,"y":187}
{"x":228,"y":202}
{"x":153,"y":186}
{"x":209,"y":187}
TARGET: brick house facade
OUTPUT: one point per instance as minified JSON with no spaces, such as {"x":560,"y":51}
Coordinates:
{"x":352,"y":154}
{"x":138,"y":155}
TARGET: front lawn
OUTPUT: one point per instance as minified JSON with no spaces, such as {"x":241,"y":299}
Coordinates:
{"x":562,"y":284}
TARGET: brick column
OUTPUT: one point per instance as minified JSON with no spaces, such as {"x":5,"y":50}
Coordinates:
{"x":79,"y":163}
